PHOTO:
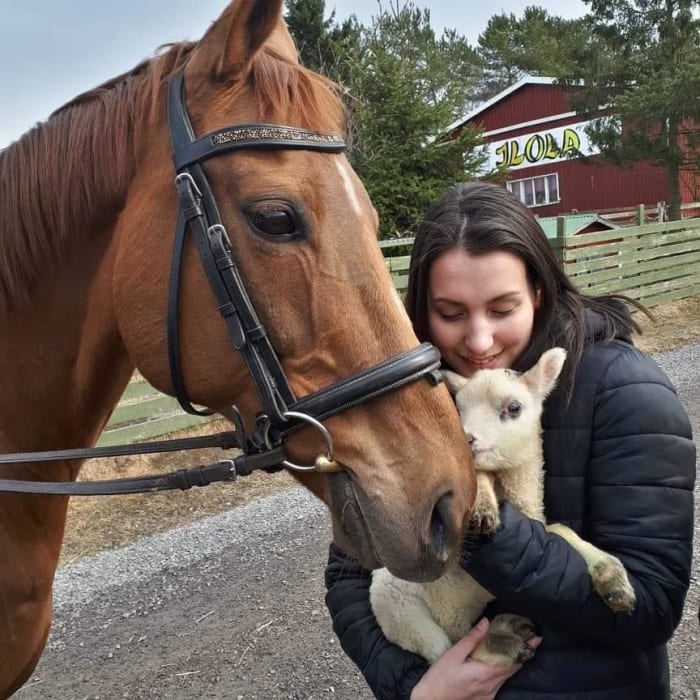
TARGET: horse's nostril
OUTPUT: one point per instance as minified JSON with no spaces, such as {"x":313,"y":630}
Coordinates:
{"x":439,"y":528}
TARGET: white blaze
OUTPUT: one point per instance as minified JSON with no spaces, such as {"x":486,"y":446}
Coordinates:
{"x":349,"y":183}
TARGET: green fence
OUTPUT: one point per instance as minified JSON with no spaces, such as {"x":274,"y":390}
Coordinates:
{"x":397,"y":254}
{"x":653,"y":263}
{"x":144,"y":413}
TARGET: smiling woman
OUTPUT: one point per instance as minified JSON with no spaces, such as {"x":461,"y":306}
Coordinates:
{"x":487,"y":289}
{"x":487,"y":324}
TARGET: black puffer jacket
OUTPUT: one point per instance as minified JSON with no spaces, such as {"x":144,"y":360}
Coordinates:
{"x":620,"y":470}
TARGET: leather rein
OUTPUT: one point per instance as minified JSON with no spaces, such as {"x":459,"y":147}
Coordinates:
{"x":282,"y":412}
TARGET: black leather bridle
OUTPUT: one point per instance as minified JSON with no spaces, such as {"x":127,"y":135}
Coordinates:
{"x":282,"y":412}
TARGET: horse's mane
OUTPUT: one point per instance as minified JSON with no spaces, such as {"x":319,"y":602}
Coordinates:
{"x":56,"y":181}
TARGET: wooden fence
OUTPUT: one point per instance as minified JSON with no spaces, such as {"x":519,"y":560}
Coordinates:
{"x":144,"y":413}
{"x":653,"y":263}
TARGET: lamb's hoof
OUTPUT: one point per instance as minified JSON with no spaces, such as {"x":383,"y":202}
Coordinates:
{"x":506,"y":643}
{"x":485,"y":518}
{"x":610,"y":581}
{"x":484,"y":523}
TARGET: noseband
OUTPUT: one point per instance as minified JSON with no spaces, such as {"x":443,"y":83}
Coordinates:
{"x":282,"y":412}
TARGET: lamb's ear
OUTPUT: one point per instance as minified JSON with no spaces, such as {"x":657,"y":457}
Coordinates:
{"x":453,"y":380}
{"x":542,"y":378}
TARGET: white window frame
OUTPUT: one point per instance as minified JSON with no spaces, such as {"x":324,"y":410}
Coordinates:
{"x":518,"y":187}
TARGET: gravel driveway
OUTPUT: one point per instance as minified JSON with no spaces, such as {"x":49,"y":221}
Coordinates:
{"x":232,"y":607}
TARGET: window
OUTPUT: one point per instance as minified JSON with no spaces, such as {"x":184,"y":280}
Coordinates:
{"x":536,"y":191}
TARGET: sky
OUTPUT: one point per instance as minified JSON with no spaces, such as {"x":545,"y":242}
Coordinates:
{"x":52,"y":50}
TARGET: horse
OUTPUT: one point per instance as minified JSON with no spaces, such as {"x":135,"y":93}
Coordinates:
{"x":89,"y":209}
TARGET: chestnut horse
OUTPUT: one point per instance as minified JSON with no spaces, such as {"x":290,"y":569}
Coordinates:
{"x":89,"y":210}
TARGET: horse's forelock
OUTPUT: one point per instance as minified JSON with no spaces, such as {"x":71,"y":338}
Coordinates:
{"x":287,"y":92}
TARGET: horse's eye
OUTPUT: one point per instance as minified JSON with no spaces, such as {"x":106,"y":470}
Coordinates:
{"x":512,"y":409}
{"x":278,"y":223}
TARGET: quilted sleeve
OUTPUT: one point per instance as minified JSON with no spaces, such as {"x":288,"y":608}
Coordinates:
{"x":390,"y":672}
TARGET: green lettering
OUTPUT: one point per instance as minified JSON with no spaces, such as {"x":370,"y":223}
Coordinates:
{"x":514,"y":157}
{"x":502,"y":154}
{"x":534,"y":148}
{"x":571,"y":143}
{"x":552,"y":152}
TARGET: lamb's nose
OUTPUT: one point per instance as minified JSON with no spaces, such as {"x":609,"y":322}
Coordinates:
{"x":470,"y":438}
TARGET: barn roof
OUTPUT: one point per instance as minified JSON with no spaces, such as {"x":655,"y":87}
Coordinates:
{"x":527,"y":80}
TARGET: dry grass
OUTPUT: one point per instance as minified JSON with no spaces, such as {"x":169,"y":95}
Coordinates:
{"x":99,"y":523}
{"x":676,"y":323}
{"x":106,"y":522}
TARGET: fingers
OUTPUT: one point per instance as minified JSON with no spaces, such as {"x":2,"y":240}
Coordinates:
{"x":467,"y":644}
{"x":534,"y":642}
{"x":454,"y":676}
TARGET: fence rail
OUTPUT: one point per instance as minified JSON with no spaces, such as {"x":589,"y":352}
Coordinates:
{"x":144,"y":413}
{"x":653,"y":264}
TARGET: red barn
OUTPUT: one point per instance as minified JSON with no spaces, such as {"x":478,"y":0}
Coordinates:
{"x":532,"y":134}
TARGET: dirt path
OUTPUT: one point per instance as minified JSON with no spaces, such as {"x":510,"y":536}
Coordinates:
{"x":231,"y":607}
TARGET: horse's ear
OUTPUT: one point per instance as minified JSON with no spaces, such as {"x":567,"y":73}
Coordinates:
{"x":240,"y":32}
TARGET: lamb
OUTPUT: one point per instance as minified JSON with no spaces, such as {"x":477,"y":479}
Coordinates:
{"x":500,"y":411}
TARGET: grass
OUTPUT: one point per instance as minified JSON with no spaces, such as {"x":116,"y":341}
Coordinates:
{"x":98,"y":523}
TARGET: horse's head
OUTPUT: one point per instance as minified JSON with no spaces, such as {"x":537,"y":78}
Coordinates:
{"x":303,"y":234}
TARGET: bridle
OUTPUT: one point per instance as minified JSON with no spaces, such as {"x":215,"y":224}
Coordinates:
{"x":282,"y":412}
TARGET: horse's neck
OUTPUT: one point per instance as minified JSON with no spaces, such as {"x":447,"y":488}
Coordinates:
{"x":62,"y":362}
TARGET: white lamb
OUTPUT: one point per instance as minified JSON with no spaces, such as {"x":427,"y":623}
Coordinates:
{"x":500,"y":412}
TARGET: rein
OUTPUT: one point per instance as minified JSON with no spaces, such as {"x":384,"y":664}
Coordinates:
{"x":282,"y":412}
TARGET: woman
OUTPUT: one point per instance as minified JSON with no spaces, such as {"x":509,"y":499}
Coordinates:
{"x":486,"y":288}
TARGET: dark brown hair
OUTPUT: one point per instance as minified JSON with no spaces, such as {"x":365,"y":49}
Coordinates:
{"x":482,"y":218}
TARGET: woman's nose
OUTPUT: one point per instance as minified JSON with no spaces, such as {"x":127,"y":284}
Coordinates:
{"x":478,"y":339}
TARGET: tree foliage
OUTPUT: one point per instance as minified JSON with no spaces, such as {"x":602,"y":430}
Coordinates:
{"x":638,"y":59}
{"x":535,"y":44}
{"x":644,"y":68}
{"x":404,"y":86}
{"x":321,"y":42}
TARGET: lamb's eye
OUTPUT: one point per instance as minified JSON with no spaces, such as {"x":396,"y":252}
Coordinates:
{"x":511,"y":410}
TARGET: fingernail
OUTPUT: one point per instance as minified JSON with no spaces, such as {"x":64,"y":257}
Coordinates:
{"x":482,"y":624}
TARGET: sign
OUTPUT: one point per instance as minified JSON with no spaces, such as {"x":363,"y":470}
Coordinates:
{"x":541,"y":148}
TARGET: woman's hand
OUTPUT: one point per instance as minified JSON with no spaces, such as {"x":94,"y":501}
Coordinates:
{"x":455,"y":677}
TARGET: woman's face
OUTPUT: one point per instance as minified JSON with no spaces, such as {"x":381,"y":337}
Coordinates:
{"x":481,"y":309}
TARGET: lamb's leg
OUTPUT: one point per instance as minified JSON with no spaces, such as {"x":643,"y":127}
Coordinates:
{"x":485,"y":516}
{"x":607,"y":573}
{"x":404,"y":617}
{"x":506,"y":643}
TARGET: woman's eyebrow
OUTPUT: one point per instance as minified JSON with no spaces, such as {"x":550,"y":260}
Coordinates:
{"x":506,"y":296}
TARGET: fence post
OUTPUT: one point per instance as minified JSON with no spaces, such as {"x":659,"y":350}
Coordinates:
{"x":560,"y":241}
{"x":640,"y":215}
